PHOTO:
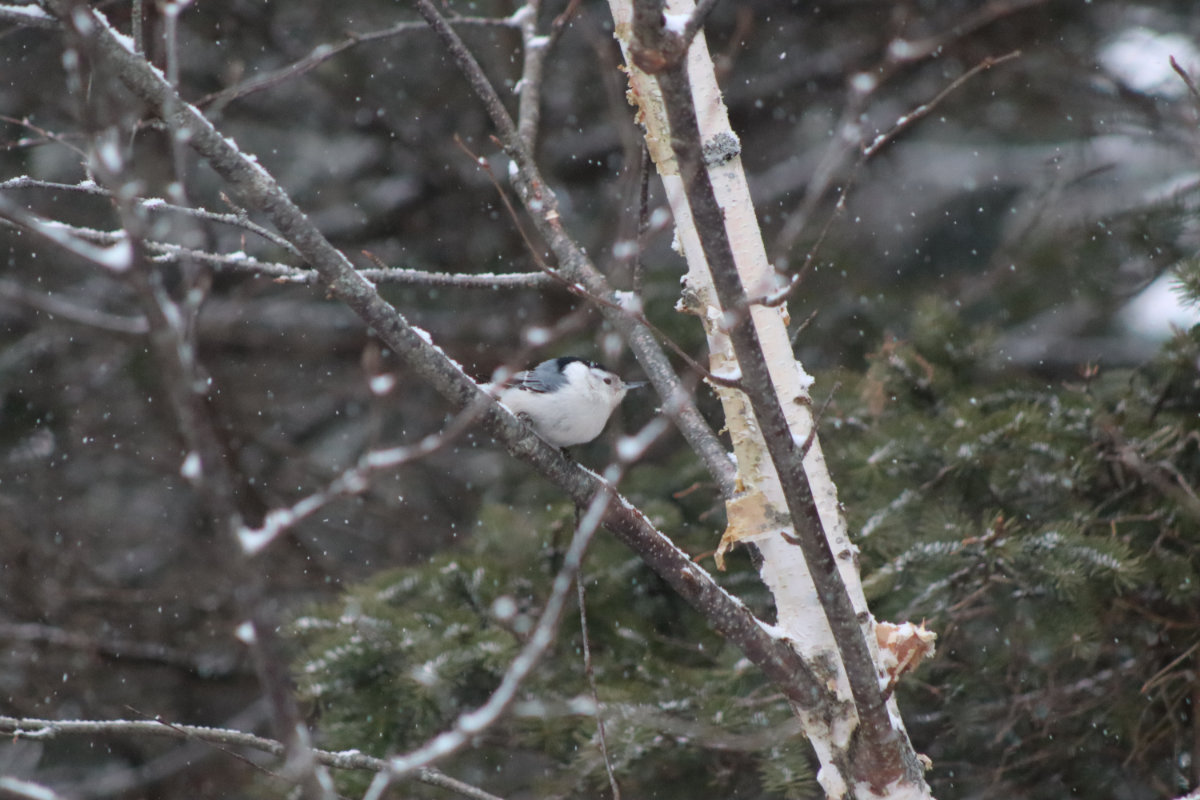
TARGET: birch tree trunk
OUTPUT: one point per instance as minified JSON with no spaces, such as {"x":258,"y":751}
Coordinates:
{"x":651,"y":37}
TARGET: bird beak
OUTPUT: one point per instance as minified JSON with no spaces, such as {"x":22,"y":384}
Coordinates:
{"x":635,"y":385}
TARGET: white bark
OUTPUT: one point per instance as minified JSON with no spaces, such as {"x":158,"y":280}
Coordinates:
{"x":759,"y":514}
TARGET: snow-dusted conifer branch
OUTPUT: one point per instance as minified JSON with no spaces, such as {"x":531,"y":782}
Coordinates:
{"x":789,"y":496}
{"x":472,"y":723}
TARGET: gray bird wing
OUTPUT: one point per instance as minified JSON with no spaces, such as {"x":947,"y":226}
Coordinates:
{"x":530,"y":381}
{"x":545,"y":377}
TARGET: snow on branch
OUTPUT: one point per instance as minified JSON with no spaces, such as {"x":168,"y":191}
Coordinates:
{"x":45,"y":729}
{"x":724,"y":613}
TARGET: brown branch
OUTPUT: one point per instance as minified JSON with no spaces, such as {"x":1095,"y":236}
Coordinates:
{"x":578,"y":290}
{"x":860,"y":88}
{"x":542,"y":205}
{"x":324,"y":52}
{"x":56,"y":306}
{"x":44,"y":729}
{"x":920,"y":112}
{"x":590,"y":673}
{"x":1187,"y":81}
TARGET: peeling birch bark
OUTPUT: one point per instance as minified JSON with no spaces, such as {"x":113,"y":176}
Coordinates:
{"x":759,"y":514}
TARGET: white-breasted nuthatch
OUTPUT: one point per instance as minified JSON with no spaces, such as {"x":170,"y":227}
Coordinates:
{"x":567,"y":400}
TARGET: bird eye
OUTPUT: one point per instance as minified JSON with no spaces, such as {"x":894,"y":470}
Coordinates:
{"x":608,"y":381}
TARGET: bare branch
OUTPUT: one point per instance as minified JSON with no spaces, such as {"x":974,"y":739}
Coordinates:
{"x":116,"y":258}
{"x":903,"y":51}
{"x":1187,"y":80}
{"x":355,"y":480}
{"x":43,"y":729}
{"x":70,"y":238}
{"x":154,"y":204}
{"x":591,"y":679}
{"x":542,"y":205}
{"x":880,"y":141}
{"x":920,"y":112}
{"x":113,"y":323}
{"x":696,"y":20}
{"x":727,"y":615}
{"x":324,"y":52}
{"x":472,"y":723}
{"x":848,"y":140}
{"x":29,"y":15}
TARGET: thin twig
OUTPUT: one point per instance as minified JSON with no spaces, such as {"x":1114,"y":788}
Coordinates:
{"x":696,"y":21}
{"x":471,"y":723}
{"x":117,"y":257}
{"x":70,"y":236}
{"x":356,"y":479}
{"x":575,"y":264}
{"x":324,"y":52}
{"x":860,"y":88}
{"x":882,"y":140}
{"x":579,"y":290}
{"x":1187,"y":79}
{"x":44,"y":729}
{"x":904,"y":51}
{"x":47,"y":135}
{"x":155,"y":204}
{"x":920,"y":112}
{"x":591,"y":679}
{"x":56,"y":306}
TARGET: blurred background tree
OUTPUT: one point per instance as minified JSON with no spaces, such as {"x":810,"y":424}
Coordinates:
{"x":1016,"y":452}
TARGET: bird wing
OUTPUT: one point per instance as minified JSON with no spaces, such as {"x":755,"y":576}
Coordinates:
{"x":530,"y":381}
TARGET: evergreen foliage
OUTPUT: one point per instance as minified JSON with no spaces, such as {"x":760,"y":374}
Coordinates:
{"x":1047,"y":529}
{"x":685,"y":715}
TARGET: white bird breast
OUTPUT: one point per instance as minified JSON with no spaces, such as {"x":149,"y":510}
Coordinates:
{"x":575,"y":414}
